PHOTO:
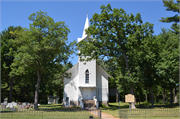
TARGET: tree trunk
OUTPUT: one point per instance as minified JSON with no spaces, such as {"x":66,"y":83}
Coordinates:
{"x":37,"y":91}
{"x":44,"y":97}
{"x":60,"y":93}
{"x":149,"y":95}
{"x":10,"y":91}
{"x":157,"y":98}
{"x":146,"y":96}
{"x":127,"y":66}
{"x":152,"y":101}
{"x":139,"y":99}
{"x":175,"y":95}
{"x":33,"y":96}
{"x":116,"y":97}
{"x":132,"y":104}
{"x":163,"y":95}
{"x":171,"y":93}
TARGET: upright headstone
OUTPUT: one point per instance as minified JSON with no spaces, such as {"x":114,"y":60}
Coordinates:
{"x":14,"y":103}
{"x":9,"y":105}
{"x":21,"y":107}
{"x":57,"y":98}
{"x":5,"y":101}
{"x":50,"y":99}
{"x":3,"y":106}
{"x":32,"y":105}
{"x":53,"y":100}
{"x":24,"y":103}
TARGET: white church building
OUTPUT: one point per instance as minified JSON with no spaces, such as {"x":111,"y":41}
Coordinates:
{"x":88,"y":82}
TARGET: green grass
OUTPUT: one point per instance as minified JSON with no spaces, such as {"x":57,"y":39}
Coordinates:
{"x":52,"y":111}
{"x":46,"y":111}
{"x":160,"y":111}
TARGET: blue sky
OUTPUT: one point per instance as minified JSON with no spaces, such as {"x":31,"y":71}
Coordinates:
{"x":15,"y":13}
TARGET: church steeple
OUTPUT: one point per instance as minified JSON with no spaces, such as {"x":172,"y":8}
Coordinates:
{"x":84,"y":35}
{"x":85,"y":27}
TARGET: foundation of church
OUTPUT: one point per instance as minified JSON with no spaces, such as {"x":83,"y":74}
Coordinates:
{"x":74,"y":103}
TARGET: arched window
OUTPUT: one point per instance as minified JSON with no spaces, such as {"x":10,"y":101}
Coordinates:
{"x":87,"y":76}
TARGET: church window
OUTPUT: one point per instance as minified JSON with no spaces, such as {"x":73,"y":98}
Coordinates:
{"x":87,"y":76}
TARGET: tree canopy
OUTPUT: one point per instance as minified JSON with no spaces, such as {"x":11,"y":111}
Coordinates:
{"x":114,"y":32}
{"x":40,"y":47}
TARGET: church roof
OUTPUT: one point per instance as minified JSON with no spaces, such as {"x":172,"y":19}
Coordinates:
{"x":103,"y":70}
{"x":75,"y":66}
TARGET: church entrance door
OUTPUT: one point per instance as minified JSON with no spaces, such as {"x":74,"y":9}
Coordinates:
{"x":88,"y":93}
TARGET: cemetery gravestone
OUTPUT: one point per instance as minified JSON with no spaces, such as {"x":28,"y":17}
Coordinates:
{"x":56,"y":100}
{"x":19,"y":103}
{"x":32,"y":105}
{"x":53,"y":100}
{"x":5,"y":101}
{"x":24,"y":103}
{"x":9,"y":105}
{"x":21,"y":107}
{"x":14,"y":103}
{"x":50,"y":99}
{"x":3,"y":106}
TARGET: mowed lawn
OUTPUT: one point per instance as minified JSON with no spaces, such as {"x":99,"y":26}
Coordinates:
{"x":143,"y":111}
{"x":54,"y":111}
{"x":46,"y":111}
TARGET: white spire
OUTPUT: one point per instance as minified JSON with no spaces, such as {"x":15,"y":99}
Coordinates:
{"x":85,"y":27}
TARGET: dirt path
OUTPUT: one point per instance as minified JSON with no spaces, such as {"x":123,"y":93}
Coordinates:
{"x":107,"y":116}
{"x":103,"y":115}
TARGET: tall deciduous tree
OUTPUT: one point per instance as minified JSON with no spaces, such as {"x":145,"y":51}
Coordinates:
{"x":40,"y":47}
{"x":7,"y":60}
{"x":111,"y":30}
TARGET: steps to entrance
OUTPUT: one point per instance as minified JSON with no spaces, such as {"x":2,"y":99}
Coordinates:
{"x":89,"y":104}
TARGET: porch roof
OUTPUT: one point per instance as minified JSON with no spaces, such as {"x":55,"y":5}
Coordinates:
{"x":87,"y":86}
